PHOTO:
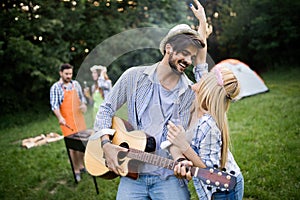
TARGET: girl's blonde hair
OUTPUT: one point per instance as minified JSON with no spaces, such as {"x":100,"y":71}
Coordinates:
{"x":214,"y":92}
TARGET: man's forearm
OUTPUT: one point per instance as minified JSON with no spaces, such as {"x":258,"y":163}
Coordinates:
{"x":58,"y":114}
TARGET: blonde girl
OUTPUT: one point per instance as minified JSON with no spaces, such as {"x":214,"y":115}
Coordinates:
{"x":210,"y":141}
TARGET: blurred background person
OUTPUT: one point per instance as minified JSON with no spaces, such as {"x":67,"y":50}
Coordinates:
{"x":104,"y":81}
{"x":68,"y":104}
{"x":100,"y":88}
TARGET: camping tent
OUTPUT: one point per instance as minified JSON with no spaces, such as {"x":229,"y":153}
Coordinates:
{"x":251,"y":83}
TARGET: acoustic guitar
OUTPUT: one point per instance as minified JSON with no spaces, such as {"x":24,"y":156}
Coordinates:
{"x":139,"y":146}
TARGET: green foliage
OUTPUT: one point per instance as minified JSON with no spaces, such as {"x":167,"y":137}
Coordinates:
{"x":21,"y":76}
{"x":267,"y":127}
{"x":37,"y":36}
{"x":261,"y":33}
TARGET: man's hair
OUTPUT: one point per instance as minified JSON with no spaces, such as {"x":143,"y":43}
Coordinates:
{"x":65,"y":66}
{"x":182,"y":41}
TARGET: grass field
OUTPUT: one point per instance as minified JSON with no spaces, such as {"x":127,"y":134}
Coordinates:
{"x":265,"y":133}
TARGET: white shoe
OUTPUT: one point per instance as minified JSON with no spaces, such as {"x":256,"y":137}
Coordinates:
{"x":78,"y":178}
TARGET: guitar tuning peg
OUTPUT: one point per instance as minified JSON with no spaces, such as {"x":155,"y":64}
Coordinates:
{"x":232,"y":172}
{"x":226,"y":185}
{"x":209,"y":187}
{"x":224,"y":169}
{"x":216,"y":166}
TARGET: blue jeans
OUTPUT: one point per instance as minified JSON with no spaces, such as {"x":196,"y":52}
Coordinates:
{"x":236,"y":194}
{"x":151,"y":187}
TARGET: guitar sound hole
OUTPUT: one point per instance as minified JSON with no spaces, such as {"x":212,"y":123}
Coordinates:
{"x":124,"y":145}
{"x":123,"y":154}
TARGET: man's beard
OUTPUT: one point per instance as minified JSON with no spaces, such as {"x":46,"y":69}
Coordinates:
{"x":173,"y":65}
{"x":66,"y":80}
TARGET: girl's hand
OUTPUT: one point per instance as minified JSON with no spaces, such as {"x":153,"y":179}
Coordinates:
{"x":204,"y":28}
{"x":177,"y":136}
{"x":199,"y":11}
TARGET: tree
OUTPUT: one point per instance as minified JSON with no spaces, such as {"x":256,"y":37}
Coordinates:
{"x":261,"y":33}
{"x":39,"y":35}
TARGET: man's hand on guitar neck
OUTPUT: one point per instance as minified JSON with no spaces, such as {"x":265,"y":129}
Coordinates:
{"x":111,"y":152}
{"x":182,"y":169}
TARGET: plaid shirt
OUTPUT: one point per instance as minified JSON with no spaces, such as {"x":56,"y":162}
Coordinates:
{"x":57,"y":93}
{"x":135,"y":88}
{"x":207,"y":142}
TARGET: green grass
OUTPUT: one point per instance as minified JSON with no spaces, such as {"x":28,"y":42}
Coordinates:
{"x":265,"y":135}
{"x":265,"y":142}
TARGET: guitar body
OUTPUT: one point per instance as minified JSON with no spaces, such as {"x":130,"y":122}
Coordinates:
{"x":124,"y":136}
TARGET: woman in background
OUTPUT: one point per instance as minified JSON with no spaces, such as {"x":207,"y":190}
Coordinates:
{"x":100,"y":88}
{"x":104,"y":82}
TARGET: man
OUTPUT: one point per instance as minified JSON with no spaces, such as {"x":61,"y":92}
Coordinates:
{"x":68,"y":104}
{"x":151,"y":94}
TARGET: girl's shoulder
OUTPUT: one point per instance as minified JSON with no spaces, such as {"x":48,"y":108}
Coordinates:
{"x":206,"y":117}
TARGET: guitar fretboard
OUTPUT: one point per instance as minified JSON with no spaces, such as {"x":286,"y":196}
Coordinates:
{"x":209,"y":176}
{"x":151,"y":159}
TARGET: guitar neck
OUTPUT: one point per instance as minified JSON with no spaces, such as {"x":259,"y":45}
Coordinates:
{"x":208,"y":175}
{"x":151,"y":159}
{"x":158,"y":160}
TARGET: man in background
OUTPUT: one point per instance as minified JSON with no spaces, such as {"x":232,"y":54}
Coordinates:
{"x":68,"y":104}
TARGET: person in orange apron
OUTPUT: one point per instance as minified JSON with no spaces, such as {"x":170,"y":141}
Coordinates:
{"x":70,"y":109}
{"x":68,"y":104}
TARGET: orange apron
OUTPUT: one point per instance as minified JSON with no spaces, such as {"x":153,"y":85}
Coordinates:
{"x":70,"y":110}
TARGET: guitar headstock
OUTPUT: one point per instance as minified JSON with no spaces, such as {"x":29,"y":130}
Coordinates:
{"x":215,"y":178}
